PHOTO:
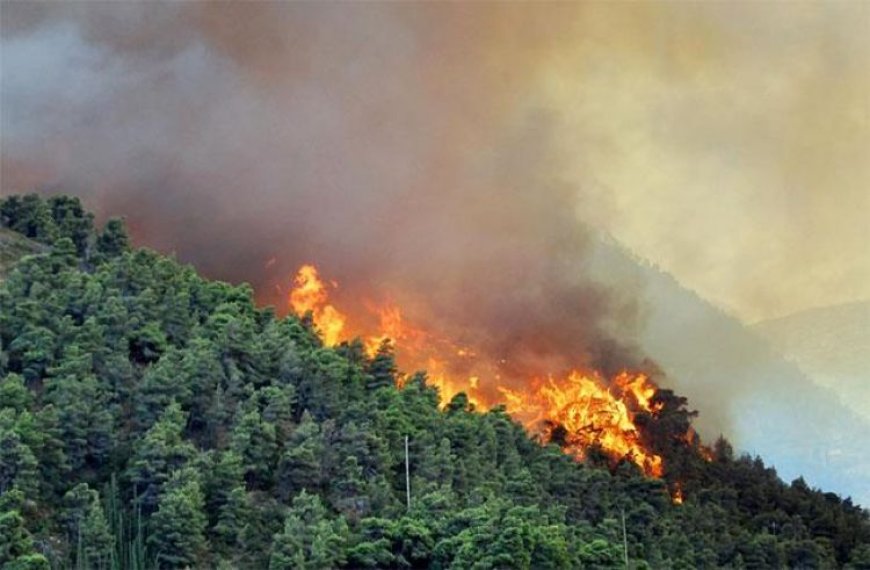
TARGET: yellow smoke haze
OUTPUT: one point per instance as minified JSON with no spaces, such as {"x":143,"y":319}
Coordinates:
{"x":727,"y":142}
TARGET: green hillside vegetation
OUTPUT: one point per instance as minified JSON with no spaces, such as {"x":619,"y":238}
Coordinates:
{"x":150,"y":418}
{"x":14,"y":246}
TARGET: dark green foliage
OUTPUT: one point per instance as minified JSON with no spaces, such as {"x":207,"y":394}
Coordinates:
{"x":152,"y":419}
{"x":72,"y":222}
{"x":177,"y":529}
{"x":311,"y":539}
{"x":155,"y":456}
{"x":30,"y":216}
{"x":300,"y":467}
{"x":17,"y":551}
{"x":497,"y":534}
{"x":382,"y":368}
{"x":233,"y":516}
{"x":88,"y":528}
{"x":113,"y":241}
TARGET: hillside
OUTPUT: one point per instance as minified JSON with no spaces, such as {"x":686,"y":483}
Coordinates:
{"x":14,"y":246}
{"x":150,"y":418}
{"x":830,"y":344}
{"x":744,"y":388}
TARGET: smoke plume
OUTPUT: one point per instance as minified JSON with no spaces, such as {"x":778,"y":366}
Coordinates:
{"x":363,"y":138}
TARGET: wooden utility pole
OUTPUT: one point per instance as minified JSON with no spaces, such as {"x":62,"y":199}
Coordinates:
{"x":407,"y":475}
{"x":624,"y":539}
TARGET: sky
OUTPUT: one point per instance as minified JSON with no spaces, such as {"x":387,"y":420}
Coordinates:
{"x":730,"y":144}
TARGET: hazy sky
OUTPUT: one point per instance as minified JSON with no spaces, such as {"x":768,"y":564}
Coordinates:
{"x":726,"y":142}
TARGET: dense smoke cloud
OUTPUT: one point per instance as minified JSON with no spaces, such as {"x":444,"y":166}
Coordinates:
{"x":371,"y":140}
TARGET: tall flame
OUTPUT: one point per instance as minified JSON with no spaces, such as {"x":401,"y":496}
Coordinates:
{"x":309,"y":295}
{"x":392,"y":329}
{"x":580,"y":410}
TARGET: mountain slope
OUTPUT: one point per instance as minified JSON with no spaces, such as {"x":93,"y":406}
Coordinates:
{"x":742,"y":386}
{"x":14,"y":246}
{"x":150,"y":418}
{"x":830,"y":344}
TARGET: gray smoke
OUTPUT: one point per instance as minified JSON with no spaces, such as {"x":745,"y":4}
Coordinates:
{"x":390,"y":145}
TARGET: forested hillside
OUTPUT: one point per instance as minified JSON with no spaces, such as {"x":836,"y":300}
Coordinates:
{"x":150,"y":418}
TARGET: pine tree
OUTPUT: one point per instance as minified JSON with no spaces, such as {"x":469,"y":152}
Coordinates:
{"x":32,"y":352}
{"x":161,"y":384}
{"x":301,"y":464}
{"x":311,"y":540}
{"x":18,"y":466}
{"x":177,"y":536}
{"x":84,"y":413}
{"x":72,"y":221}
{"x":88,"y":528}
{"x":28,"y":215}
{"x":13,"y":394}
{"x":232,"y":518}
{"x":254,"y":441}
{"x":382,"y":368}
{"x":160,"y":452}
{"x":113,"y":241}
{"x":17,"y":551}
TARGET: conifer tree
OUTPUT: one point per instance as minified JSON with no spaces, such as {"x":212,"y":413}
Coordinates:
{"x":113,"y":240}
{"x":88,"y":528}
{"x":177,"y":536}
{"x":382,"y":368}
{"x":301,"y":465}
{"x":160,"y":452}
{"x":17,"y":551}
{"x":311,"y":539}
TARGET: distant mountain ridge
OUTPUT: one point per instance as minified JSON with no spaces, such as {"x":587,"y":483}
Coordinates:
{"x":742,"y":386}
{"x":831,"y":344}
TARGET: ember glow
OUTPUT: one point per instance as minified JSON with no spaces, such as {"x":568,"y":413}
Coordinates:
{"x":580,"y":410}
{"x":678,"y":494}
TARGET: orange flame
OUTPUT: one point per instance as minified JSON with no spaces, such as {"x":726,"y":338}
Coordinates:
{"x":591,"y":410}
{"x":677,"y":497}
{"x":391,"y":329}
{"x":309,"y":295}
{"x":590,"y":413}
{"x":692,"y":439}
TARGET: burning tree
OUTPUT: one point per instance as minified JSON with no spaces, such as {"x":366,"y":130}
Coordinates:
{"x":625,"y":417}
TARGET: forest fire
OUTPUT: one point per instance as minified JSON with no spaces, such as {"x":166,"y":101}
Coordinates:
{"x":589,"y":413}
{"x":580,"y":410}
{"x":309,"y":295}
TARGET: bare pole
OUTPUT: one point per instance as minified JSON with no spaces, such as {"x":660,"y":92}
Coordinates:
{"x":407,"y":475}
{"x":624,"y":538}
